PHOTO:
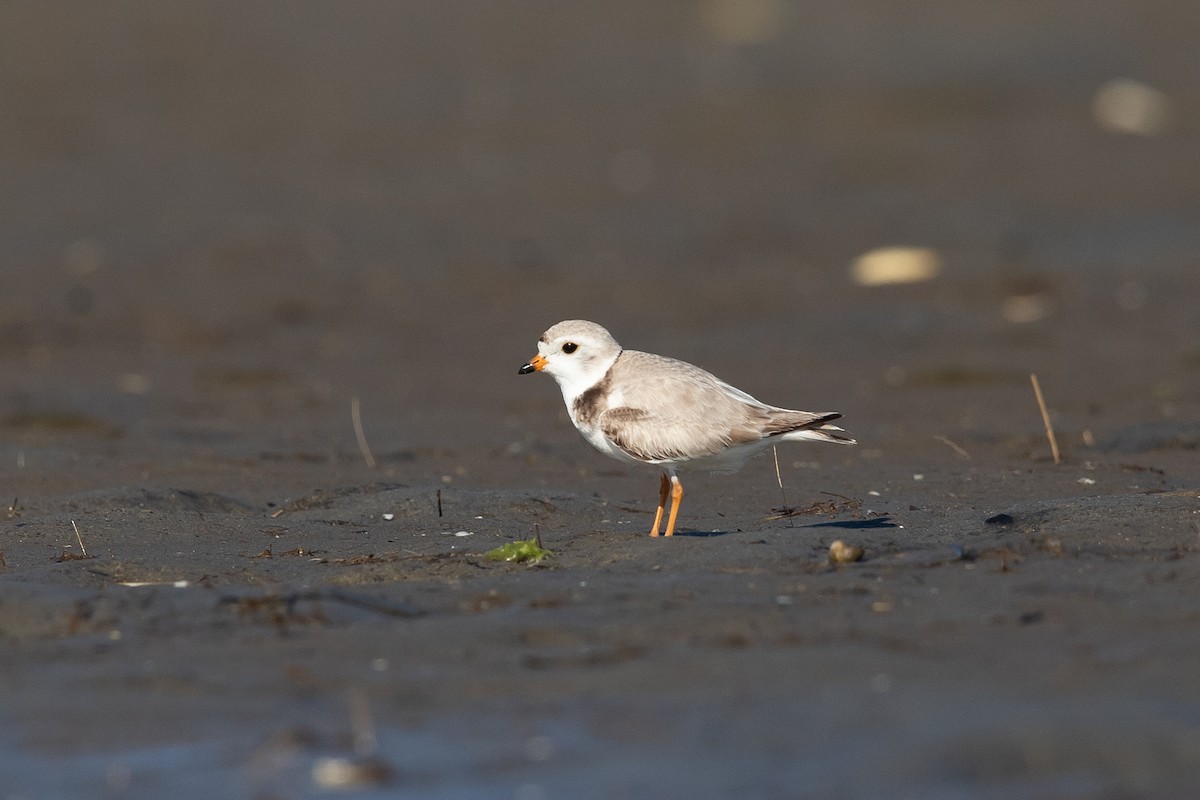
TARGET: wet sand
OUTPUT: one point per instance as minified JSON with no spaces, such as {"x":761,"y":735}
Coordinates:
{"x":224,"y":223}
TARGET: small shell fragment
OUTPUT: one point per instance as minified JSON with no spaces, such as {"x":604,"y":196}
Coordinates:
{"x":889,"y":265}
{"x":340,"y":774}
{"x":1124,"y":105}
{"x":842,"y":553}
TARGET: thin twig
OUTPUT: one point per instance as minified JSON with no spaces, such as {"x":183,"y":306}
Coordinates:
{"x":82,"y":549}
{"x":439,"y":499}
{"x":779,"y":475}
{"x":537,"y":535}
{"x":819,"y":507}
{"x":1041,"y":401}
{"x":779,"y":480}
{"x":356,"y":418}
{"x":362,"y":725}
{"x":946,"y":441}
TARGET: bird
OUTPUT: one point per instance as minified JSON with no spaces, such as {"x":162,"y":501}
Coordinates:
{"x":642,"y":408}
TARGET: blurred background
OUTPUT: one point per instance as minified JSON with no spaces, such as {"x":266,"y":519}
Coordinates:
{"x":224,"y":221}
{"x":219,"y":220}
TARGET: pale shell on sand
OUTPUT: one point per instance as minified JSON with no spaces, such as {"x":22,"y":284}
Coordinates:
{"x":842,"y":553}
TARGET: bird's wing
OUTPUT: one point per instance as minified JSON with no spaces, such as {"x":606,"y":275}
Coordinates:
{"x":668,"y":410}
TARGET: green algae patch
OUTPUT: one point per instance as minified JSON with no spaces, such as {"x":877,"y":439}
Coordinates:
{"x":529,"y":550}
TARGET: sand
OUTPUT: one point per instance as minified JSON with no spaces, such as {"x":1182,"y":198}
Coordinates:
{"x":226,"y":223}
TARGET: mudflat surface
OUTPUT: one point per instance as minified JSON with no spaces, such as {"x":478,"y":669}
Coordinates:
{"x":225,"y":223}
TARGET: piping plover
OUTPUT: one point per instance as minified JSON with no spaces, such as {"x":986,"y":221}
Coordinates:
{"x":646,"y":409}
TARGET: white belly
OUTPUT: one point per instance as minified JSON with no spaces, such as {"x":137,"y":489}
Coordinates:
{"x":602,"y":443}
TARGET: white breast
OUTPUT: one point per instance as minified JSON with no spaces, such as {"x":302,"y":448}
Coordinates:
{"x":593,"y":433}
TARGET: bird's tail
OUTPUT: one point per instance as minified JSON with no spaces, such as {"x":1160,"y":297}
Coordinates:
{"x":814,"y":427}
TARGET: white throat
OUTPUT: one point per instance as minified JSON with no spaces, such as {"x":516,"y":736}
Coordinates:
{"x":575,"y":382}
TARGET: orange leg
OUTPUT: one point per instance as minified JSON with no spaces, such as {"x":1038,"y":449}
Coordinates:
{"x":676,"y":497}
{"x":663,"y":491}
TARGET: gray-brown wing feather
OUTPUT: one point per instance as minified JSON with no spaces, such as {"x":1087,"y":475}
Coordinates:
{"x":672,"y":410}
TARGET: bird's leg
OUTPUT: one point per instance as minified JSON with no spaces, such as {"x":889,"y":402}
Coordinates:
{"x":663,"y":491}
{"x":676,"y":497}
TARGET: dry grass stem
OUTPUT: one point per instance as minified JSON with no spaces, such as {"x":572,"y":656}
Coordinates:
{"x":362,"y":725}
{"x":946,"y":441}
{"x":819,"y":507}
{"x":1041,"y":401}
{"x":356,"y":418}
{"x":779,"y":480}
{"x":779,"y":475}
{"x":79,"y":538}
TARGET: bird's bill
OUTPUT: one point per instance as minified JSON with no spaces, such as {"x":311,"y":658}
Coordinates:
{"x":536,"y":363}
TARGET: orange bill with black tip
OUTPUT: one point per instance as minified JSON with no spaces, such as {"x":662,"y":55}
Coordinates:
{"x":536,"y":363}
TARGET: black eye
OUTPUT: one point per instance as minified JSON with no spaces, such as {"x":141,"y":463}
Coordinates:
{"x":570,"y":347}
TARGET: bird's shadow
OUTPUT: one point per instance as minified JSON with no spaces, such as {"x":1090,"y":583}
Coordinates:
{"x":873,"y":523}
{"x":701,"y":534}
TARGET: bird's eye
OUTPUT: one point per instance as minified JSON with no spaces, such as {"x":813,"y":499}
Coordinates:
{"x":570,"y":347}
